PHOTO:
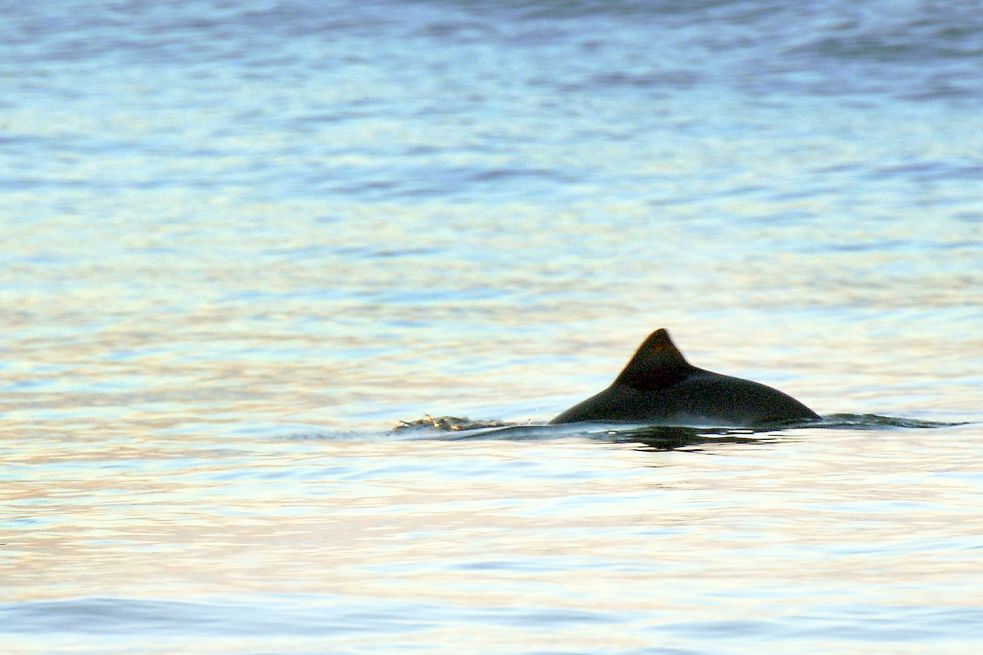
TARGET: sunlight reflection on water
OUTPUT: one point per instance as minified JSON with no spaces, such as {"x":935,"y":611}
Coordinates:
{"x":633,"y":537}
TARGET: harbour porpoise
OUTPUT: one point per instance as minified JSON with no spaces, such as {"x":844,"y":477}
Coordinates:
{"x":659,"y":386}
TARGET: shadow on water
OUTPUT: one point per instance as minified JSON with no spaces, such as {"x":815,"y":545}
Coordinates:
{"x":655,"y":437}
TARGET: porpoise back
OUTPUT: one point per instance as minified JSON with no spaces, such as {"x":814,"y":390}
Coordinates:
{"x":659,"y":386}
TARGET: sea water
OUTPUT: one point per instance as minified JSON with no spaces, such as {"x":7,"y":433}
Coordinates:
{"x":241,"y":242}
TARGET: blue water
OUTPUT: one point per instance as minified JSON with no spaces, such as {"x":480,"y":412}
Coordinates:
{"x":243,"y":241}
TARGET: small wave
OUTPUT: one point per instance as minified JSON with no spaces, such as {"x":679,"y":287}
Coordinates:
{"x":654,"y":437}
{"x":875,"y":421}
{"x":448,"y":424}
{"x":658,"y":437}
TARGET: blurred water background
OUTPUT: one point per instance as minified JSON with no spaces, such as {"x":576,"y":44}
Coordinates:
{"x":241,"y":241}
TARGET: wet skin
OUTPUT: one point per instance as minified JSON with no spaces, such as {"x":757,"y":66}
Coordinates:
{"x":658,"y":385}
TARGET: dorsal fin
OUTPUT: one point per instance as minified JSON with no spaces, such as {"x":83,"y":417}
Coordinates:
{"x":656,"y":364}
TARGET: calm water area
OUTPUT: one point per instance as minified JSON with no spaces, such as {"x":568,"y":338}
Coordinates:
{"x":242,"y":241}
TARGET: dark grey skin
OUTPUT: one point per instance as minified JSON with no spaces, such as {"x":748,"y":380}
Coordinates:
{"x":658,"y":386}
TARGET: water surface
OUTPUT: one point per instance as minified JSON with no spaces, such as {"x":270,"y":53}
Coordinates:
{"x":242,"y":241}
